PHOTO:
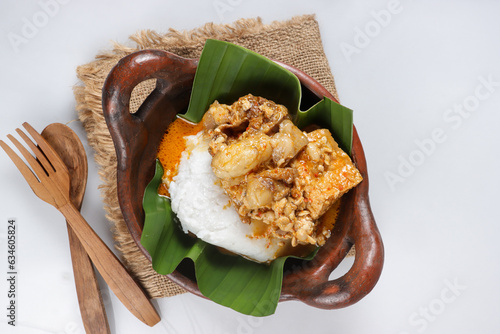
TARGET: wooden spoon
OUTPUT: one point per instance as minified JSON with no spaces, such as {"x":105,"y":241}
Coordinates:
{"x":69,"y":147}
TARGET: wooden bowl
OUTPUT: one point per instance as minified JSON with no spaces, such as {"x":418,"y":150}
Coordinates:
{"x":136,"y":138}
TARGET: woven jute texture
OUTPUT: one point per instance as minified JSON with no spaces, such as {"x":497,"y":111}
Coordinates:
{"x":296,"y":42}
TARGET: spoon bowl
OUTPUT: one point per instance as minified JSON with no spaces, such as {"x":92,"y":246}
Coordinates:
{"x":69,"y":147}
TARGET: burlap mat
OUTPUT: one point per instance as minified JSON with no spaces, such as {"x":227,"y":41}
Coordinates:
{"x":296,"y":42}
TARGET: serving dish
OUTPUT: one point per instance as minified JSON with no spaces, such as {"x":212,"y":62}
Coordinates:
{"x":136,"y":137}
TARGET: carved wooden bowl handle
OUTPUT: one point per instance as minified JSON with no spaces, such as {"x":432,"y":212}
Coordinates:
{"x":137,"y":135}
{"x":355,"y":225}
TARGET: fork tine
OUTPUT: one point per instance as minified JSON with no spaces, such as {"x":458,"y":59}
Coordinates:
{"x":23,"y":168}
{"x":36,"y":168}
{"x":38,"y":153}
{"x":49,"y":152}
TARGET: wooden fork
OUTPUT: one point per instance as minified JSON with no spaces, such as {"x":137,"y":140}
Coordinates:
{"x":49,"y":179}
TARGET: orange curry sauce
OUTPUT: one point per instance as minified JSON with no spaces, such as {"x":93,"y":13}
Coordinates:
{"x":171,"y":147}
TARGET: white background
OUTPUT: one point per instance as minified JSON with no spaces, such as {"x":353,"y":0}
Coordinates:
{"x":405,"y":74}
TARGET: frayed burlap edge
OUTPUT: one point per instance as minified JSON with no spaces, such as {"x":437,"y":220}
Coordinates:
{"x":296,"y":42}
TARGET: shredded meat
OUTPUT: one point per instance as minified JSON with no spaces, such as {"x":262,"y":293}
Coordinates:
{"x":276,"y":175}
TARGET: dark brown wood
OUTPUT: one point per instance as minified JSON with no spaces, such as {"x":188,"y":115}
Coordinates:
{"x":137,"y":136}
{"x":69,"y":147}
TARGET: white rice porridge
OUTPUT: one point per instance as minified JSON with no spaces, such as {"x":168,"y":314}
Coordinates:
{"x":205,"y":210}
